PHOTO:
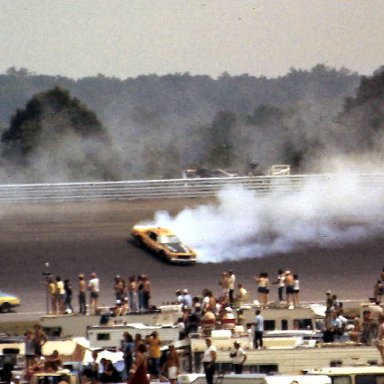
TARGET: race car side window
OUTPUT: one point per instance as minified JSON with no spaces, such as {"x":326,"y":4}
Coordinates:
{"x":153,"y":236}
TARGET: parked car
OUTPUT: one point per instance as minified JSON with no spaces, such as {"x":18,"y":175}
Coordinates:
{"x":8,"y":302}
{"x":163,"y":243}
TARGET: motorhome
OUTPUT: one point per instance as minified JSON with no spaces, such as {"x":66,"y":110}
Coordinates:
{"x":368,"y":374}
{"x":255,"y":378}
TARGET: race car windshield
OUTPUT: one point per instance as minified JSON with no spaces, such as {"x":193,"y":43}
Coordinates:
{"x":168,"y":239}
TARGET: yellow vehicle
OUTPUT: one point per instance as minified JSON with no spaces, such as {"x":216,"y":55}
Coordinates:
{"x":163,"y":243}
{"x":7,"y":302}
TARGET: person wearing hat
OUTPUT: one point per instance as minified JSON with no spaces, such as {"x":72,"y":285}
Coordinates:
{"x":186,"y":299}
{"x":209,"y":360}
{"x":82,"y":295}
{"x":238,"y":358}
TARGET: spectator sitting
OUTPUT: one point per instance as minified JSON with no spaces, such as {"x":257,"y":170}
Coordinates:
{"x":53,"y":362}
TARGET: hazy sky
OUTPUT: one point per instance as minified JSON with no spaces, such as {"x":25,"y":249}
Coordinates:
{"x":124,"y":38}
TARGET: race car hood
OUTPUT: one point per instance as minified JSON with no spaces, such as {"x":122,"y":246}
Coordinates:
{"x":177,"y":248}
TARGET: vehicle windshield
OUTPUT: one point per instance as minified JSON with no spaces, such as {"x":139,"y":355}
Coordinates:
{"x":168,"y":239}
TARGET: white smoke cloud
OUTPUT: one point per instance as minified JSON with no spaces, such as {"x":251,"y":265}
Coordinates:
{"x":326,"y":212}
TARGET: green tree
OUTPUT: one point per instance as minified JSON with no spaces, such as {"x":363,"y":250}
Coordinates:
{"x":64,"y":113}
{"x":60,"y":136}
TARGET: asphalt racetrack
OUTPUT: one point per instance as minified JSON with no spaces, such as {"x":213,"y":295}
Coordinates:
{"x":76,"y":237}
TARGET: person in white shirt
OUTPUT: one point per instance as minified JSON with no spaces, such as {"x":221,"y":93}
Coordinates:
{"x":209,"y":360}
{"x":94,"y":288}
{"x":231,"y":286}
{"x":238,"y":358}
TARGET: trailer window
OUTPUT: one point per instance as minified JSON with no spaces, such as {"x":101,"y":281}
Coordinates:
{"x":103,"y":336}
{"x":302,"y":324}
{"x":269,"y":325}
{"x":369,"y":379}
{"x":341,"y":380}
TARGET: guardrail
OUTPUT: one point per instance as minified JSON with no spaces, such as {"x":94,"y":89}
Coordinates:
{"x":171,"y":188}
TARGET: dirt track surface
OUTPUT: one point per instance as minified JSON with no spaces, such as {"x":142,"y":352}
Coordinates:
{"x":92,"y":236}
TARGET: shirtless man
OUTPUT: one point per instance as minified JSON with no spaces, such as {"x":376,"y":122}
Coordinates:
{"x":172,"y":364}
{"x":39,"y":339}
{"x":289,"y":288}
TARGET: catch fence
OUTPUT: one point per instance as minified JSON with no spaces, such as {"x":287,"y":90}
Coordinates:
{"x":179,"y":188}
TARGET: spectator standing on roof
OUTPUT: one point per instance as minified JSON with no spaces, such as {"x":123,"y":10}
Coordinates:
{"x":94,"y":288}
{"x":378,"y":291}
{"x":68,"y":296}
{"x":132,"y":294}
{"x":224,"y":283}
{"x":280,"y":281}
{"x":259,"y":330}
{"x":82,"y":295}
{"x":289,"y":290}
{"x":53,"y":295}
{"x":231,"y":286}
{"x":60,"y":292}
{"x":186,"y":299}
{"x":147,"y":287}
{"x":242,"y":295}
{"x":296,"y":290}
{"x":118,"y":288}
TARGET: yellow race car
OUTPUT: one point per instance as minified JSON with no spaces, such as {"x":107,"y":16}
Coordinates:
{"x":164,"y":243}
{"x":7,"y":302}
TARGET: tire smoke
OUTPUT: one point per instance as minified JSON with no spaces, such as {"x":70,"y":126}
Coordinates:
{"x":327,"y":212}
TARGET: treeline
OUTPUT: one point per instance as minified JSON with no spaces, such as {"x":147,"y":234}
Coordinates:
{"x":154,"y":126}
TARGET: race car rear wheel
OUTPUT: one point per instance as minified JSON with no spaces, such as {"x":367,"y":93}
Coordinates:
{"x":5,"y":308}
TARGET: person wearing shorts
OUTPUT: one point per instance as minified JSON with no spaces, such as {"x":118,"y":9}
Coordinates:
{"x":94,"y":287}
{"x":172,"y":364}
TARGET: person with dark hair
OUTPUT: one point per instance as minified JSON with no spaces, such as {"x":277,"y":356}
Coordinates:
{"x":82,"y":295}
{"x":60,"y":294}
{"x":127,"y":347}
{"x":259,"y":330}
{"x":138,"y":371}
{"x":280,"y":284}
{"x":110,"y":373}
{"x":154,"y":354}
{"x":68,"y":296}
